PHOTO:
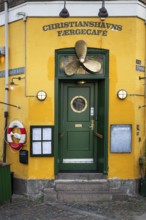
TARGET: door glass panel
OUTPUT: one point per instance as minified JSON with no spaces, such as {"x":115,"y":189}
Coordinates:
{"x":78,"y":104}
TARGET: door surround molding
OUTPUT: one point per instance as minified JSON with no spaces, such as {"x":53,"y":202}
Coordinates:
{"x":103,"y":81}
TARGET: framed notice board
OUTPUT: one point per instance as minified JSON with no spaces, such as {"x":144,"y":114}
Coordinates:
{"x":121,"y":138}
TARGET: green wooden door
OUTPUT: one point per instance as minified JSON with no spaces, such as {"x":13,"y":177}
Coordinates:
{"x":77,"y":142}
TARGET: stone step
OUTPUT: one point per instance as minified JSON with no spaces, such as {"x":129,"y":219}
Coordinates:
{"x":51,"y":195}
{"x":78,"y":196}
{"x":83,"y":176}
{"x":82,"y":185}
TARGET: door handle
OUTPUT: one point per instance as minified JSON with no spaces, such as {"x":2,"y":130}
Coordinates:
{"x":61,"y":135}
{"x":92,"y":125}
{"x":98,"y":135}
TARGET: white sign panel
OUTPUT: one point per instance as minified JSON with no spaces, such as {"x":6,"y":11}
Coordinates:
{"x":121,"y":138}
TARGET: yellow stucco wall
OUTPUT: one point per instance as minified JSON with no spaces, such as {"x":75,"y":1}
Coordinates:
{"x":126,"y":44}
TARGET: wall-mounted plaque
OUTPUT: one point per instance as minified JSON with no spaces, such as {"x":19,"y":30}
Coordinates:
{"x":121,"y":138}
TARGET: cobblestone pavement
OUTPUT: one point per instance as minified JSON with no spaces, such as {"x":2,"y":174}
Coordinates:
{"x":22,"y":208}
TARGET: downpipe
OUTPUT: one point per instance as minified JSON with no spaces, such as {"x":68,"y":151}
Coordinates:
{"x":6,"y":79}
{"x":24,"y":17}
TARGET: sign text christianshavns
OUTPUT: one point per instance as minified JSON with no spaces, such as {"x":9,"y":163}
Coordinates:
{"x":82,"y":28}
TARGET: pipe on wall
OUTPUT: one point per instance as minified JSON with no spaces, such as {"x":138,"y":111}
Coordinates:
{"x":24,"y":17}
{"x":6,"y":77}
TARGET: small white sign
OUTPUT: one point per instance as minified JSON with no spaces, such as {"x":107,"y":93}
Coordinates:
{"x":92,"y":111}
{"x":36,"y":134}
{"x":47,"y":149}
{"x":47,"y":133}
{"x":36,"y":148}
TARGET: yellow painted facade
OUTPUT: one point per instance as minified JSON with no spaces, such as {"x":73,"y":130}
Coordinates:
{"x":32,"y":46}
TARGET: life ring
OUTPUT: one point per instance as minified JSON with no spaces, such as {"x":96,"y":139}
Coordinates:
{"x":21,"y":136}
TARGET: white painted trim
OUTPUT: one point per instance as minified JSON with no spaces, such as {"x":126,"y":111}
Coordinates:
{"x":85,"y":160}
{"x":77,"y":9}
{"x":80,"y":181}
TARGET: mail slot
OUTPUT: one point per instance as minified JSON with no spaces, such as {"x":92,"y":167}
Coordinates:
{"x":78,"y":125}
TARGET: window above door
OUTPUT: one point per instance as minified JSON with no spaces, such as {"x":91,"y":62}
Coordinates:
{"x":66,"y":59}
{"x":68,"y":56}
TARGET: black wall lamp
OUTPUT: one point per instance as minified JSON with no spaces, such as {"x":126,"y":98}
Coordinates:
{"x":142,"y":77}
{"x":2,"y":51}
{"x":102,"y":11}
{"x":64,"y":12}
{"x":12,"y":83}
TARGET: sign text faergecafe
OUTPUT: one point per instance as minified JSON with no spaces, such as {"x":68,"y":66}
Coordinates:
{"x":82,"y":28}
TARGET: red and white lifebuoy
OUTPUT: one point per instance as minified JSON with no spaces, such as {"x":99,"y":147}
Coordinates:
{"x":21,"y":136}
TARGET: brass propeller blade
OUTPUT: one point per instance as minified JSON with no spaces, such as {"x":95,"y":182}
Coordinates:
{"x":81,"y":50}
{"x":72,"y":67}
{"x":92,"y":65}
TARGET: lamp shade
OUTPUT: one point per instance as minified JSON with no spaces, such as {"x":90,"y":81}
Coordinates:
{"x":64,"y":13}
{"x":103,"y":13}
